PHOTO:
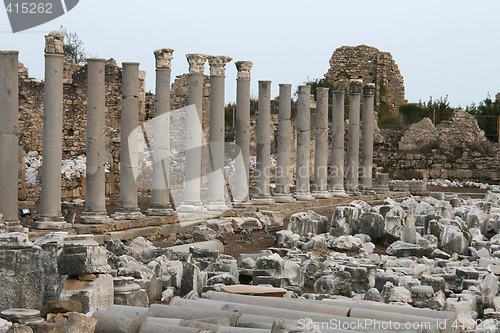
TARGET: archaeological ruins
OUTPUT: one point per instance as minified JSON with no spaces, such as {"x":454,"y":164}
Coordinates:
{"x":146,"y":212}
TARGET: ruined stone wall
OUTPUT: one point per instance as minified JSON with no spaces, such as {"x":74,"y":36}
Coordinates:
{"x":455,"y":149}
{"x":373,"y":66}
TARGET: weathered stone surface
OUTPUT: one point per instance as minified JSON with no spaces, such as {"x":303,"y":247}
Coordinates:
{"x":336,"y":283}
{"x":61,"y":306}
{"x":371,"y":65}
{"x":201,"y":234}
{"x":20,"y":266}
{"x":308,"y":222}
{"x":454,"y":241}
{"x":94,"y":295}
{"x":82,"y":255}
{"x":343,"y":220}
{"x":479,"y":216}
{"x":418,"y":135}
{"x":74,"y":322}
{"x":402,"y":249}
{"x":372,"y":224}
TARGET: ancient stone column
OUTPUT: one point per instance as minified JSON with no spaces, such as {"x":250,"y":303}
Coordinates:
{"x":242,"y":133}
{"x":9,"y":139}
{"x":128,"y":208}
{"x":50,"y":216}
{"x":160,"y":191}
{"x":216,"y":181}
{"x":320,"y":189}
{"x":302,"y":171}
{"x":337,"y":162}
{"x":352,"y":172}
{"x":282,"y":191}
{"x":366,"y":172}
{"x":95,"y":199}
{"x":194,"y":136}
{"x":261,"y":195}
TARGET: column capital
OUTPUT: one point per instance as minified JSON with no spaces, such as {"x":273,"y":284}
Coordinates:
{"x":369,"y":89}
{"x":54,"y":42}
{"x":164,"y":58}
{"x":244,"y":68}
{"x":355,"y":86}
{"x":196,"y":62}
{"x":218,"y":65}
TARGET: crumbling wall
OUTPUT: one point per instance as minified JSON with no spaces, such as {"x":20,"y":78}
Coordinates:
{"x":371,"y":65}
{"x":454,"y":149}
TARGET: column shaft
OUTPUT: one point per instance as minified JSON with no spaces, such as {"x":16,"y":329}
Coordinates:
{"x":282,"y":191}
{"x":321,"y":146}
{"x":9,"y":139}
{"x":128,"y":208}
{"x":194,"y":137}
{"x":367,"y":137}
{"x":160,"y":191}
{"x":262,"y":189}
{"x":216,"y":180}
{"x":337,"y":162}
{"x":242,"y":137}
{"x":302,"y":169}
{"x":50,"y":216}
{"x":352,"y":173}
{"x":95,"y":199}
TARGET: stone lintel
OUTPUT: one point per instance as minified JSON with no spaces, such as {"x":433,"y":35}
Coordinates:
{"x":369,"y":89}
{"x":164,"y":58}
{"x":355,"y":86}
{"x":54,"y":42}
{"x":196,"y":62}
{"x":218,"y":65}
{"x":244,"y":68}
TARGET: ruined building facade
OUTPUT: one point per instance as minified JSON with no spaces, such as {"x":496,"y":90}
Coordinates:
{"x":371,"y":65}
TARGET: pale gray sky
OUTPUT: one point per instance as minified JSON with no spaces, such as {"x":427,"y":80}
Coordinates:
{"x":442,"y":47}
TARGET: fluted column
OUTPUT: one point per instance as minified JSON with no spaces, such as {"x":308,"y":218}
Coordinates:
{"x":9,"y":139}
{"x":302,"y":169}
{"x":95,"y":199}
{"x":320,"y":189}
{"x":352,"y":172}
{"x":337,"y":162}
{"x":282,"y":191}
{"x":242,"y":133}
{"x":128,"y":208}
{"x":262,"y":190}
{"x":216,"y":183}
{"x":160,"y":191}
{"x":50,"y":216}
{"x":366,"y":173}
{"x":194,"y":136}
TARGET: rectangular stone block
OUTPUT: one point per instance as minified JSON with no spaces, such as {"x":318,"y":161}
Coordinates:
{"x":93,"y":295}
{"x":81,"y":259}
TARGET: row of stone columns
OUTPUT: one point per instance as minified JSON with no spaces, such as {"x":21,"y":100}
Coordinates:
{"x":302,"y":172}
{"x":50,"y":216}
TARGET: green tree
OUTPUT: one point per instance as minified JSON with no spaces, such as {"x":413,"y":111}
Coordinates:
{"x":486,"y":113}
{"x":437,"y":110}
{"x":73,"y":47}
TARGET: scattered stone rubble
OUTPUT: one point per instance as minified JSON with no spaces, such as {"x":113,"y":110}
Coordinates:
{"x":443,"y":254}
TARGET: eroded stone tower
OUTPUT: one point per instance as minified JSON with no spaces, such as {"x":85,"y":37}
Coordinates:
{"x":372,"y":66}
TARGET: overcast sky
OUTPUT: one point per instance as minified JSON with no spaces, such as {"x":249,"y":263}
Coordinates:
{"x":442,"y":47}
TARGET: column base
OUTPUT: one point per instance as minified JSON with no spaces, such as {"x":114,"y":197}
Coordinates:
{"x":338,"y":193}
{"x":242,"y":204}
{"x":303,"y":196}
{"x":283,"y":198}
{"x":191,"y":207}
{"x":321,"y":194}
{"x":51,"y":223}
{"x":262,"y":200}
{"x":156,"y":210}
{"x":94,"y":218}
{"x":216,"y":206}
{"x":127,"y":214}
{"x":13,"y":226}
